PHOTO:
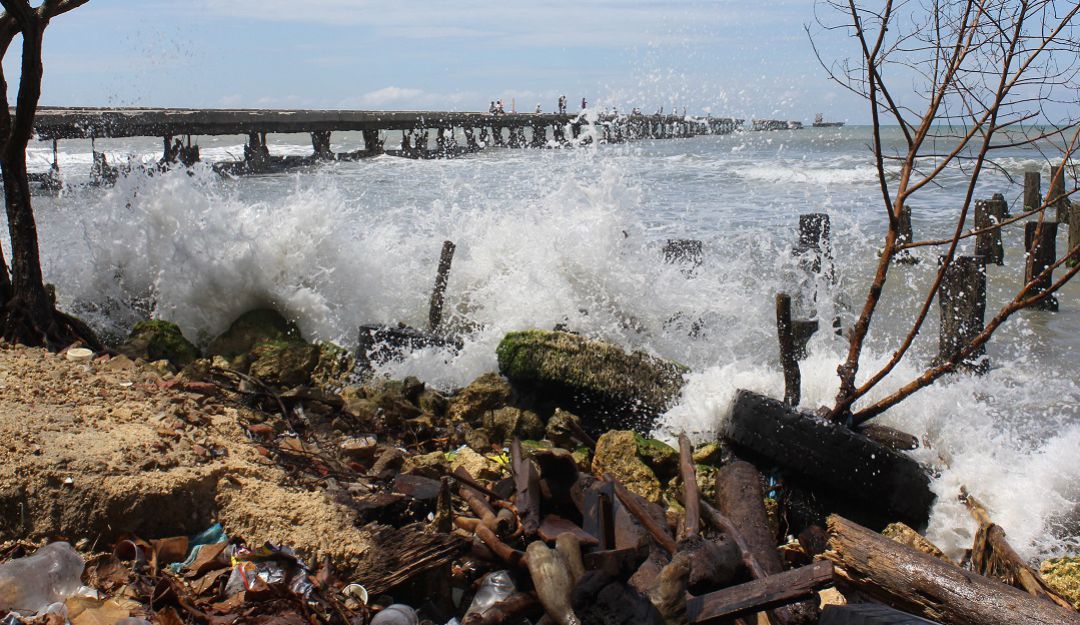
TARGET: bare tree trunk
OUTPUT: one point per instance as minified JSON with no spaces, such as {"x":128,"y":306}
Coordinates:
{"x":29,"y":314}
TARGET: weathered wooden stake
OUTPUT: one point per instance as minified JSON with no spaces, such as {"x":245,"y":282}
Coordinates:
{"x":1074,"y":234}
{"x":320,"y":143}
{"x":1032,"y":190}
{"x":438,"y":295}
{"x":1040,"y":241}
{"x":904,"y":231}
{"x":962,"y":302}
{"x":788,"y":359}
{"x":814,"y":237}
{"x":1058,"y":198}
{"x":988,"y":213}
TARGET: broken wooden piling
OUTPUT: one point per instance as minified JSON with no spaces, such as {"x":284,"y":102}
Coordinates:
{"x":1040,"y":241}
{"x":962,"y":302}
{"x":988,"y":215}
{"x":788,"y":359}
{"x":435,"y":312}
{"x":1032,"y":190}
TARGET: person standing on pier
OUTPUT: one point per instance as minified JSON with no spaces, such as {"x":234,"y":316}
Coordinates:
{"x":584,"y":104}
{"x":562,"y":105}
{"x":537,"y":108}
{"x":491,"y":109}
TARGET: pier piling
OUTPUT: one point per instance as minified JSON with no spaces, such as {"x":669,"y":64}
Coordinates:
{"x":435,"y":312}
{"x":1058,"y":198}
{"x":989,"y":213}
{"x":1040,"y":241}
{"x":962,"y":303}
{"x":1032,"y":190}
{"x":815,"y":244}
{"x":788,"y":359}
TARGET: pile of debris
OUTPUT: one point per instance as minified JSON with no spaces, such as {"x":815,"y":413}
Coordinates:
{"x":338,"y":501}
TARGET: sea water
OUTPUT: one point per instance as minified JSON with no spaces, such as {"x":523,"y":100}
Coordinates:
{"x":574,"y":237}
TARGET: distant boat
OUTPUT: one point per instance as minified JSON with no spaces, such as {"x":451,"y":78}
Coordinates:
{"x":819,"y":122}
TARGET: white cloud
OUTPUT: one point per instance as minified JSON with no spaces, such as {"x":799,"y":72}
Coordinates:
{"x":392,"y":97}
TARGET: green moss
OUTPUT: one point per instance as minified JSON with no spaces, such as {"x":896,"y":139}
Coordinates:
{"x":1063,"y":575}
{"x":252,"y":328}
{"x":156,"y":339}
{"x":660,"y":456}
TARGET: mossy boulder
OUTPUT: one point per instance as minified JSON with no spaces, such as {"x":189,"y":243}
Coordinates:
{"x":1063,"y":576}
{"x":251,"y":328}
{"x":596,"y":378}
{"x":714,"y":454}
{"x":616,"y":453}
{"x":560,"y":428}
{"x":486,"y":393}
{"x":155,"y":340}
{"x":284,"y":364}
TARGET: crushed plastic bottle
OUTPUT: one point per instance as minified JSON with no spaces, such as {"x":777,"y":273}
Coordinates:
{"x":495,"y":587}
{"x":53,"y":573}
{"x":397,"y":614}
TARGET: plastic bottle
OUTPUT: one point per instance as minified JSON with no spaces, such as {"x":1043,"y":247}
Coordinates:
{"x":397,"y":614}
{"x":495,"y":587}
{"x":53,"y":573}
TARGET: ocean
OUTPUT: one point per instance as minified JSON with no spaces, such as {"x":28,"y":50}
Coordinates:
{"x":574,"y":237}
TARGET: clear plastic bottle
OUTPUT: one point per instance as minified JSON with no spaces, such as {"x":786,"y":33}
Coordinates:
{"x":53,"y":573}
{"x":495,"y":587}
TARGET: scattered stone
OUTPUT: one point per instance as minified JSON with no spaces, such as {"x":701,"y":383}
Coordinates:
{"x":433,"y":465}
{"x":159,"y":340}
{"x":1063,"y":576}
{"x":714,"y":454}
{"x":592,"y":375}
{"x":251,"y":328}
{"x":360,"y":447}
{"x":334,"y":367}
{"x":478,"y":439}
{"x":487,"y":392}
{"x":616,"y":453}
{"x":559,"y":430}
{"x":477,"y":465}
{"x":508,"y":422}
{"x":284,"y":364}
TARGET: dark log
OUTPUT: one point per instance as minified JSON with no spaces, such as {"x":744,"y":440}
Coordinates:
{"x":739,"y":497}
{"x":691,"y":496}
{"x":1040,"y":241}
{"x":719,"y":521}
{"x":988,"y":214}
{"x":889,"y":437}
{"x":444,"y":511}
{"x":905,"y":233}
{"x":886,"y":485}
{"x":993,"y":556}
{"x":788,"y":358}
{"x":1032,"y":190}
{"x":962,"y":302}
{"x":761,"y":594}
{"x":923,"y":585}
{"x":435,"y":311}
{"x":527,"y":487}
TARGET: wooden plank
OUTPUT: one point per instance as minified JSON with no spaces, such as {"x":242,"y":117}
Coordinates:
{"x":761,"y":594}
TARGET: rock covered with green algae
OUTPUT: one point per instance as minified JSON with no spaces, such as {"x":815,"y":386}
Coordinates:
{"x":251,"y":328}
{"x":284,"y":363}
{"x":484,"y":394}
{"x":617,"y":454}
{"x":590,"y":371}
{"x":155,"y":340}
{"x":1063,"y":575}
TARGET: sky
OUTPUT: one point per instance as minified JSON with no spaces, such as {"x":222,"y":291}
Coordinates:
{"x":745,"y":58}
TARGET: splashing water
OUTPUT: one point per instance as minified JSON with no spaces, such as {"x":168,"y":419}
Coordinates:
{"x":573,"y":237}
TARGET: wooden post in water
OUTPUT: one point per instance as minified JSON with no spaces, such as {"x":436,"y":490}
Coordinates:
{"x":1057,"y":196}
{"x":1074,"y":234}
{"x":962,"y":302}
{"x":815,"y":239}
{"x":320,"y":144}
{"x":1040,"y":241}
{"x":788,"y":359}
{"x":438,"y":294}
{"x":372,"y":145}
{"x":988,"y":244}
{"x":1032,"y":190}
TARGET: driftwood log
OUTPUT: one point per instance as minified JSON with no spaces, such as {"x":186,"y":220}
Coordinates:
{"x":993,"y":556}
{"x":739,"y":497}
{"x":900,"y":576}
{"x":761,"y":594}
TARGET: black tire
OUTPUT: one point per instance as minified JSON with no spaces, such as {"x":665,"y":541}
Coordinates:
{"x":869,"y":614}
{"x":831,"y":457}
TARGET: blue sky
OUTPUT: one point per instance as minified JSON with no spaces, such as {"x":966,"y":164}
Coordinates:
{"x":738,"y":57}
